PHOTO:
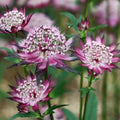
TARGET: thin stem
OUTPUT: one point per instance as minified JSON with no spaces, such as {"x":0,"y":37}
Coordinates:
{"x":86,"y":100}
{"x":104,"y":99}
{"x":116,"y":95}
{"x":41,"y":118}
{"x":48,"y":102}
{"x":81,"y":99}
{"x":86,"y":8}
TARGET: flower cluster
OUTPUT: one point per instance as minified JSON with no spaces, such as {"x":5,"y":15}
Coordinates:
{"x":96,"y":56}
{"x":107,"y":12}
{"x":45,"y":44}
{"x":13,"y":21}
{"x":28,"y":93}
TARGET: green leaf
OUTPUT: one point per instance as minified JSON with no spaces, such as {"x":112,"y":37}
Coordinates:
{"x":84,"y":91}
{"x":70,"y":16}
{"x":29,"y":114}
{"x":95,"y":79}
{"x":91,"y":112}
{"x":12,"y":59}
{"x":7,"y":50}
{"x":79,"y":19}
{"x":97,"y":27}
{"x":50,"y":110}
{"x":69,"y":114}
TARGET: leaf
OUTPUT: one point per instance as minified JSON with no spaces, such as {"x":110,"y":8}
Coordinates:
{"x":69,"y":114}
{"x":70,"y":16}
{"x":50,"y":110}
{"x":84,"y":91}
{"x":97,"y":27}
{"x":13,"y":59}
{"x":79,"y":19}
{"x":7,"y":50}
{"x":29,"y":114}
{"x":91,"y":111}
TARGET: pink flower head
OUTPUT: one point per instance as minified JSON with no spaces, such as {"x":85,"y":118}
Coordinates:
{"x":58,"y":113}
{"x":4,"y":3}
{"x":13,"y":21}
{"x":45,"y":44}
{"x":37,"y":20}
{"x":84,"y":25}
{"x":28,"y":93}
{"x":67,"y":4}
{"x":37,"y":3}
{"x":96,"y":56}
{"x":107,"y":12}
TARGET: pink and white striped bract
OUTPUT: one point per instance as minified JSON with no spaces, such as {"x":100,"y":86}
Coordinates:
{"x":45,"y":44}
{"x":28,"y":93}
{"x":13,"y":21}
{"x":96,"y":56}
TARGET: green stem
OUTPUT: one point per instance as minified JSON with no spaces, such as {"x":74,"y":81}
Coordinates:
{"x":41,"y":118}
{"x":104,"y":95}
{"x":25,"y":70}
{"x":48,"y":102}
{"x":81,"y":99}
{"x":86,"y":8}
{"x":86,"y":100}
{"x":116,"y":95}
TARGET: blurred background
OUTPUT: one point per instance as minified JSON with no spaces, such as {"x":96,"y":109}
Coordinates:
{"x":44,"y":12}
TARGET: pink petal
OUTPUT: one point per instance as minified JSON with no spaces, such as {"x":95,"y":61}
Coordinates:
{"x":81,"y":44}
{"x":115,"y":59}
{"x":42,"y":65}
{"x":112,"y":47}
{"x":89,"y":40}
{"x":52,"y":61}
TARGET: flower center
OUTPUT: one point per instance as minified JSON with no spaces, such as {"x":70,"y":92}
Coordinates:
{"x":29,"y":92}
{"x":47,"y":41}
{"x":97,"y":54}
{"x":12,"y":19}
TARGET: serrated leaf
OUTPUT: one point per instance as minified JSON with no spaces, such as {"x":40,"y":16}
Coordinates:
{"x":91,"y":111}
{"x":29,"y":114}
{"x":97,"y":27}
{"x":69,"y":115}
{"x":50,"y":110}
{"x":70,"y":16}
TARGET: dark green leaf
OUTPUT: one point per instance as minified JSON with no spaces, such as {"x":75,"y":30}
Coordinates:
{"x":69,"y":114}
{"x":29,"y":114}
{"x":97,"y":27}
{"x":50,"y":110}
{"x":79,"y":19}
{"x":91,"y":112}
{"x":7,"y":50}
{"x":12,"y":59}
{"x":84,"y":91}
{"x":70,"y":16}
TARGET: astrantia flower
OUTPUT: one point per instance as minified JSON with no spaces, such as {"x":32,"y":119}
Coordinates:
{"x":83,"y":25}
{"x":108,"y":12}
{"x":45,"y":44}
{"x":37,"y":20}
{"x":4,"y":3}
{"x":96,"y":56}
{"x":13,"y":21}
{"x":37,"y":3}
{"x":28,"y":93}
{"x":58,"y":113}
{"x":66,"y":4}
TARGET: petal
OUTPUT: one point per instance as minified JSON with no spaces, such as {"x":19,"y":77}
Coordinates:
{"x":81,"y":44}
{"x":42,"y":65}
{"x":52,"y":61}
{"x":89,"y":40}
{"x":112,"y":47}
{"x":63,"y":57}
{"x":115,"y":59}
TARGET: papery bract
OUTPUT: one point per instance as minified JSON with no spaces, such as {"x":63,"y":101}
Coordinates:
{"x":45,"y":44}
{"x":13,"y":21}
{"x":28,"y":93}
{"x":96,"y":56}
